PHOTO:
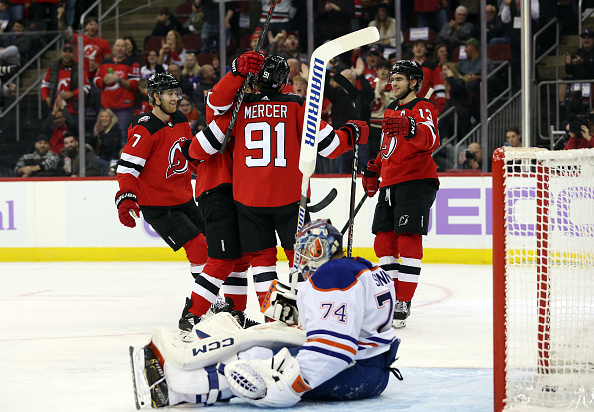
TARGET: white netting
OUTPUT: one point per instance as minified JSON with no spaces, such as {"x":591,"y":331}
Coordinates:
{"x":549,"y":229}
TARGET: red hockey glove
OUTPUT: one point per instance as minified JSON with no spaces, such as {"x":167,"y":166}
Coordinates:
{"x":371,"y":175}
{"x":402,"y":126}
{"x":127,"y":204}
{"x":248,"y":62}
{"x":358,"y":131}
{"x":185,"y":149}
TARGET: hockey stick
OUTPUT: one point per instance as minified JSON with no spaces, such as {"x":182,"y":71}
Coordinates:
{"x":354,"y":93}
{"x":322,"y":204}
{"x":313,"y":108}
{"x":315,"y":94}
{"x":248,"y":80}
{"x":346,"y":225}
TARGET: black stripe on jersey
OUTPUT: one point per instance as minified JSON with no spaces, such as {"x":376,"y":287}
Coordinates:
{"x":410,"y":105}
{"x":391,"y":266}
{"x":131,"y":165}
{"x":154,"y":124}
{"x":409,"y":270}
{"x":207,"y":285}
{"x":212,"y":139}
{"x":326,"y":141}
{"x":265,"y":277}
{"x":274,"y":98}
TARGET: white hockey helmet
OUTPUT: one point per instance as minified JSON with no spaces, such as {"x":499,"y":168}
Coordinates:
{"x":315,"y":245}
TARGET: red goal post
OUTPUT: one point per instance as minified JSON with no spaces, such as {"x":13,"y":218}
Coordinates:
{"x":543,"y":279}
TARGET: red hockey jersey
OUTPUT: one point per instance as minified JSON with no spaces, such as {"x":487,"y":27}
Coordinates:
{"x":152,"y":165}
{"x":115,"y":96}
{"x":63,"y":85}
{"x":432,"y":78}
{"x":267,"y":142}
{"x":93,"y":49}
{"x":403,"y":160}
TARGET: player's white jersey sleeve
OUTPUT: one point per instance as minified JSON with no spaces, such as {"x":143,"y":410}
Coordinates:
{"x":346,"y":309}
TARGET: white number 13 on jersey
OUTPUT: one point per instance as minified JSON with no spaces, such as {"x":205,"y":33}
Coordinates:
{"x":263,"y":129}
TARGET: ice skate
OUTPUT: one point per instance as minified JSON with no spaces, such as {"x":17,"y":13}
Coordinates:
{"x":188,"y":319}
{"x":401,"y":312}
{"x":239,"y":316}
{"x":150,"y":387}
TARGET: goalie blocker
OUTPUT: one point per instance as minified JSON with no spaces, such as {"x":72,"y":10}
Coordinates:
{"x":345,"y":306}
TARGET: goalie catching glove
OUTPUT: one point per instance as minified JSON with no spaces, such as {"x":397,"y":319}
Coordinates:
{"x":370,"y":180}
{"x":358,"y":131}
{"x":280,"y":304}
{"x":274,"y":382}
{"x":248,"y":62}
{"x":401,"y":126}
{"x":127,"y":208}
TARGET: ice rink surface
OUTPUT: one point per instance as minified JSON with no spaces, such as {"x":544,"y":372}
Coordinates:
{"x":65,"y":329}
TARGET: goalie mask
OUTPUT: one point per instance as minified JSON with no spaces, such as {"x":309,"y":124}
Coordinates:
{"x":159,"y":82}
{"x":315,"y":245}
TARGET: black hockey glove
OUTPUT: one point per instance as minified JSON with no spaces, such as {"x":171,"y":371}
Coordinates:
{"x":185,"y":149}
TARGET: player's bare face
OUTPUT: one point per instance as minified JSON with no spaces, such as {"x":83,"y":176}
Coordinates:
{"x":399,"y":85}
{"x":169,"y":100}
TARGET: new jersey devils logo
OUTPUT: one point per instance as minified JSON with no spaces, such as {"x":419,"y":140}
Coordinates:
{"x":388,"y":146}
{"x":178,"y":164}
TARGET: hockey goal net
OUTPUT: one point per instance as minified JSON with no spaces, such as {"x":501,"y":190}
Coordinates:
{"x":543,"y":278}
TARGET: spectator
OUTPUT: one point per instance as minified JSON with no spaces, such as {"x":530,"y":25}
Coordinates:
{"x":60,"y":87}
{"x":142,"y":105}
{"x":132,"y":50}
{"x":95,"y":48}
{"x":186,"y":106}
{"x":367,"y":65}
{"x":431,"y":76}
{"x":42,"y":162}
{"x":46,"y":9}
{"x":578,"y":136}
{"x":207,"y":81}
{"x":16,"y":9}
{"x":383,"y":97}
{"x":365,"y":12}
{"x":457,"y":96}
{"x":513,"y":137}
{"x":210,"y":28}
{"x":276,"y":43}
{"x":165,"y":23}
{"x":56,"y":125}
{"x":440,"y":55}
{"x":292,"y":48}
{"x":186,"y":87}
{"x":254,"y":38}
{"x":386,"y":26}
{"x":191,"y":70}
{"x":196,"y":19}
{"x":18,"y":38}
{"x":332,"y":19}
{"x":456,"y":31}
{"x":172,"y":50}
{"x":431,"y":13}
{"x":470,"y":69}
{"x":117,"y":78}
{"x":281,"y":17}
{"x":296,"y":68}
{"x":300,"y":86}
{"x":216,"y":65}
{"x":471,"y":158}
{"x":106,"y":138}
{"x":580,"y":64}
{"x":10,"y":59}
{"x":498,"y":32}
{"x":71,"y":158}
{"x":151,"y":65}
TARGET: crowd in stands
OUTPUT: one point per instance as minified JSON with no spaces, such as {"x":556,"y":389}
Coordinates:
{"x":443,"y":36}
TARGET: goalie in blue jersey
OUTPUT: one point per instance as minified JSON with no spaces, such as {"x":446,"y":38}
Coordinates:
{"x":333,"y":340}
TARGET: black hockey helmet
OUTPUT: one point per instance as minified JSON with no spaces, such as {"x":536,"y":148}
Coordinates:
{"x":410,"y":69}
{"x":159,"y":82}
{"x":274,"y":73}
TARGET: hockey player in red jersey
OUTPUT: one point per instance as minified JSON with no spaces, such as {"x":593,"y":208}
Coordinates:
{"x":155,"y":177}
{"x":266,"y":176}
{"x":408,"y":183}
{"x":214,"y":194}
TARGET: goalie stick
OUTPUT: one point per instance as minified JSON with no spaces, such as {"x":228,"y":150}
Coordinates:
{"x":315,"y":92}
{"x":354,"y":93}
{"x":248,"y":79}
{"x":313,"y":109}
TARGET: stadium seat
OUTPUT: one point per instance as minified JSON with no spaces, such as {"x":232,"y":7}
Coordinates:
{"x":183,"y":11}
{"x":204,"y":58}
{"x":499,"y":53}
{"x":154,"y":43}
{"x":192,"y":42}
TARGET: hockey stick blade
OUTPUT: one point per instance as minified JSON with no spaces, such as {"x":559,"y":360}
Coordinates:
{"x":315,"y":92}
{"x":248,"y":80}
{"x":323,"y":204}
